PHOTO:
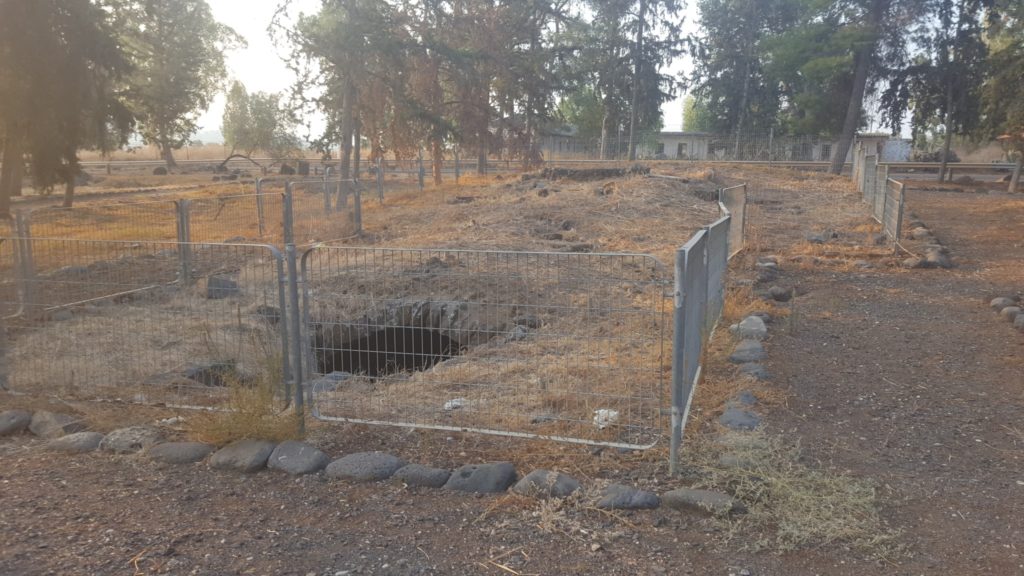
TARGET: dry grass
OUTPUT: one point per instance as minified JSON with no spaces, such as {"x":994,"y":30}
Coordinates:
{"x":740,"y":302}
{"x":253,"y":410}
{"x":790,"y":504}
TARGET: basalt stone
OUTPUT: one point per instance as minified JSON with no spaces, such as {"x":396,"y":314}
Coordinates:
{"x":998,"y":304}
{"x":77,"y":443}
{"x":180,"y":452}
{"x":131,"y":440}
{"x":752,"y":327}
{"x":619,"y":497}
{"x":912,"y":262}
{"x":419,"y":475}
{"x":482,"y":478}
{"x":745,"y":398}
{"x":243,"y":456}
{"x":748,"y":351}
{"x":365,"y":466}
{"x":1010,"y":313}
{"x":701,"y":501}
{"x":780,"y":294}
{"x":297,"y":458}
{"x":54,"y":425}
{"x":219,"y":287}
{"x":546,"y":484}
{"x":14,"y":422}
{"x":739,"y":419}
{"x":754,"y":370}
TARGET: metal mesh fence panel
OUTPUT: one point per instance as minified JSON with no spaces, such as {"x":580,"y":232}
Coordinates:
{"x":689,"y":331}
{"x":126,"y":328}
{"x":555,"y":345}
{"x":324,"y":210}
{"x":892,"y":220}
{"x":734,"y":199}
{"x":869,"y":172}
{"x":225,"y":218}
{"x":142,"y":221}
{"x":878,"y":184}
{"x":695,"y":294}
{"x":9,"y":300}
{"x":717,"y":265}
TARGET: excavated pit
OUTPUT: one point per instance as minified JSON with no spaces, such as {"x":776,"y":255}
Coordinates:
{"x":386,"y":351}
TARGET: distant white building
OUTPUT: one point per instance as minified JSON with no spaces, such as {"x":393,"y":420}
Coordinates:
{"x":678,"y":146}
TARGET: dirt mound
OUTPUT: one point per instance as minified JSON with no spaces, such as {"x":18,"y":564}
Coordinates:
{"x":588,"y":174}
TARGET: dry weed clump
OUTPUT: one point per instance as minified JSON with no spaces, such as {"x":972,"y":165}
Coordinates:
{"x":790,"y":504}
{"x":252,"y":412}
{"x":740,"y":302}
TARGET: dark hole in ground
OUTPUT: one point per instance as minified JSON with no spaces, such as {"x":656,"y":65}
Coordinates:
{"x":386,"y":351}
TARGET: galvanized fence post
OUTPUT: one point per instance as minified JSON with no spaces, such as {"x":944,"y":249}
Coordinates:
{"x":327,"y":192}
{"x":295,"y":323}
{"x":260,"y":217}
{"x":287,"y":217}
{"x":458,"y":170}
{"x":282,"y":303}
{"x":26,"y":263}
{"x":292,"y":316}
{"x":184,"y":246}
{"x":678,"y":336}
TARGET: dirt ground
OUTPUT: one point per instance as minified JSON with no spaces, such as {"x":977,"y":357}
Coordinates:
{"x":902,"y":378}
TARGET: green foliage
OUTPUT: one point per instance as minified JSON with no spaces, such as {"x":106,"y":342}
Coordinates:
{"x":583,"y":109}
{"x":178,"y":52}
{"x":1002,"y":102}
{"x":696,"y":116}
{"x":257,"y":122}
{"x":732,"y":55}
{"x":942,"y":84}
{"x":61,"y":67}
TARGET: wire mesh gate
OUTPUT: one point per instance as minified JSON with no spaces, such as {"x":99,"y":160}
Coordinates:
{"x":163,"y":323}
{"x":565,"y":346}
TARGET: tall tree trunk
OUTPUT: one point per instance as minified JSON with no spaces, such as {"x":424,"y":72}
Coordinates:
{"x":69,"y":192}
{"x":948,"y":140}
{"x":483,"y":134}
{"x":860,"y":80}
{"x":950,"y":79}
{"x":11,"y":171}
{"x":604,"y":136}
{"x":436,"y":159}
{"x":637,"y":63}
{"x":347,"y":104}
{"x":358,"y":149}
{"x":743,"y":110}
{"x":1015,"y":179}
{"x":167,"y":155}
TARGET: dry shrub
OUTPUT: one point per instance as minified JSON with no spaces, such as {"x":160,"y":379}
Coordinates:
{"x":253,"y":411}
{"x":740,"y":302}
{"x":790,"y":504}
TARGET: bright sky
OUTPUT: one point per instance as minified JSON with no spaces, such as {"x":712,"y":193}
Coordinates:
{"x":261,"y":69}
